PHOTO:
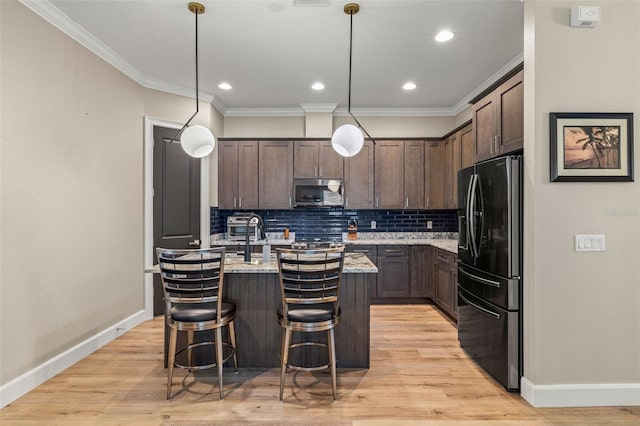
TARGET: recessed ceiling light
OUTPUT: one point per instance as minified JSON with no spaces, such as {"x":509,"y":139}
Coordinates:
{"x":224,"y":86}
{"x":409,"y":85}
{"x":444,"y":35}
{"x":317,"y":86}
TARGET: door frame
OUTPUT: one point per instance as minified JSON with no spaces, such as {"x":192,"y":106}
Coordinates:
{"x":149,"y":123}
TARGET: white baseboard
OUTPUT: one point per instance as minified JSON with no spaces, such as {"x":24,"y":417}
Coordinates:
{"x":35,"y":377}
{"x":581,"y":395}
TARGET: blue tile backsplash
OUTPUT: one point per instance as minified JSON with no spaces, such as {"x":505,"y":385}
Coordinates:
{"x":329,"y":224}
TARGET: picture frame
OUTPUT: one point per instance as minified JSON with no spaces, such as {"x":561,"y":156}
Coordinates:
{"x":591,"y":147}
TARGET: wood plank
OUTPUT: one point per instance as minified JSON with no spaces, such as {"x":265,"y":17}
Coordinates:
{"x":418,"y":374}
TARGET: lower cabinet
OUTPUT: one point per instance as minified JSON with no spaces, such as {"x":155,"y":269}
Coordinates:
{"x":372,"y":253}
{"x":445,"y":278}
{"x":421,"y":271}
{"x":393,"y":271}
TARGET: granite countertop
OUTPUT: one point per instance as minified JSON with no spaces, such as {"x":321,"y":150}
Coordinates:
{"x":444,"y":240}
{"x":353,"y":263}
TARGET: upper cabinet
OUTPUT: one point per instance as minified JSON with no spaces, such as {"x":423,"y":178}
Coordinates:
{"x":275,"y":173}
{"x":414,"y":194}
{"x":389,"y":174}
{"x":434,"y":175}
{"x":316,"y":159}
{"x":238,"y":174}
{"x":358,"y":179}
{"x":498,"y":119}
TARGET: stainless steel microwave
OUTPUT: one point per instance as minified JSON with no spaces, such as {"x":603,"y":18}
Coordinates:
{"x":239,"y":225}
{"x":318,"y":192}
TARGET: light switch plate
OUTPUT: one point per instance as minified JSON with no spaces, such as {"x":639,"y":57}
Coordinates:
{"x":589,"y":243}
{"x":373,"y":224}
{"x":429,"y":224}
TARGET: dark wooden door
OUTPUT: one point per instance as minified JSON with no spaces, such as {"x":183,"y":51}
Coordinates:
{"x":389,"y":174}
{"x":510,"y":104}
{"x":176,"y":200}
{"x":305,"y":159}
{"x":228,"y":174}
{"x":414,"y":192}
{"x":276,"y":174}
{"x":421,"y":270}
{"x":393,"y":271}
{"x":330,"y":163}
{"x":484,"y":127}
{"x":248,"y":175}
{"x":434,"y":175}
{"x":358,"y":178}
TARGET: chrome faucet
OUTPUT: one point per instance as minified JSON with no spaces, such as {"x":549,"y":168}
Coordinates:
{"x":247,"y":250}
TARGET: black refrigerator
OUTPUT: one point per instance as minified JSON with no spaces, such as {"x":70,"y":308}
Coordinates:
{"x":490,"y":267}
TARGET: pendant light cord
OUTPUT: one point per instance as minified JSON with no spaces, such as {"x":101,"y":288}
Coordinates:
{"x":349,"y":96}
{"x":197,"y":91}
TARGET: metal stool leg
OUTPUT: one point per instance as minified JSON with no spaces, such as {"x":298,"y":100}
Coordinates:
{"x":189,"y":350}
{"x":219,"y":358}
{"x":232,"y":337}
{"x":284,"y":355}
{"x":332,"y":359}
{"x":172,"y":359}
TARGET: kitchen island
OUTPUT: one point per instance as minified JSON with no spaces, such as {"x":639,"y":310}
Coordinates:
{"x":255,"y":289}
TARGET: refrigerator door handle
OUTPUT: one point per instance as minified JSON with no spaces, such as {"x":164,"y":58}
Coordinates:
{"x":478,"y":307}
{"x":492,"y":283}
{"x":471,"y":214}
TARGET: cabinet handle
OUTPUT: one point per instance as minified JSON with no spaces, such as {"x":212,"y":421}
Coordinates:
{"x":320,"y":171}
{"x":240,"y":202}
{"x":377,"y":202}
{"x":427,"y":202}
{"x":234,"y":202}
{"x":346,"y":201}
{"x":406,"y":203}
{"x":289,"y":201}
{"x":497,"y":148}
{"x":491,"y":144}
{"x":315,"y":171}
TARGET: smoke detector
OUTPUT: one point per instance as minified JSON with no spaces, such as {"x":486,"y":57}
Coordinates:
{"x":585,"y":16}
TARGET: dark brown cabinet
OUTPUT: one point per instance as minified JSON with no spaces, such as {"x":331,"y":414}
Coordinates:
{"x":434,"y":175}
{"x":414,"y":192}
{"x":358,"y":179}
{"x":445,"y":281}
{"x":393,"y":271}
{"x":457,"y":150}
{"x":372,"y":253}
{"x":389,"y":174}
{"x":421,"y":271}
{"x":498,"y":119}
{"x":316,"y":159}
{"x":275,"y":174}
{"x":238,"y":174}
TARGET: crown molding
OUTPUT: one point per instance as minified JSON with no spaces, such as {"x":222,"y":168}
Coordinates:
{"x":264,"y":112}
{"x":176,"y":89}
{"x":396,"y":112}
{"x":319,"y":107}
{"x":55,"y":17}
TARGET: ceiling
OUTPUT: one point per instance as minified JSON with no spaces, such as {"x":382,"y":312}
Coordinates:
{"x":272,"y":51}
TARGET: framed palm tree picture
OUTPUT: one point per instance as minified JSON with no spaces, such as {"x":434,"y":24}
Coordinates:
{"x":591,"y":146}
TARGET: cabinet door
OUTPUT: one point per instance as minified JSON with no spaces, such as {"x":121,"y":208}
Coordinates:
{"x":389,"y":174}
{"x":228,"y":174}
{"x":466,"y":147}
{"x":305,"y":159}
{"x":248,"y":175}
{"x":414,"y":193}
{"x":372,"y":253}
{"x":444,"y":287}
{"x":434,"y":175}
{"x":358,"y":178}
{"x":420,"y":263}
{"x":330,"y":163}
{"x":451,"y":164}
{"x":484,"y":124}
{"x":393,"y":271}
{"x":510,"y":107}
{"x":276,"y":174}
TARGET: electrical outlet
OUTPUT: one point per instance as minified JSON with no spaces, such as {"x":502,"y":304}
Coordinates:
{"x":429,"y":224}
{"x":589,"y":243}
{"x":373,"y":224}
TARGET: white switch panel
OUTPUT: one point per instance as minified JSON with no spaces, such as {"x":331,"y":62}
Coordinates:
{"x":429,"y":224}
{"x":589,"y":242}
{"x":373,"y":224}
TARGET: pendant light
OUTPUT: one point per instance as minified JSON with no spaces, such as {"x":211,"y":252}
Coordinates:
{"x":197,"y":141}
{"x":347,"y":140}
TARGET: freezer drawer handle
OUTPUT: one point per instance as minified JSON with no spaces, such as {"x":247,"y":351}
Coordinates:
{"x":480,"y":279}
{"x":480,"y":308}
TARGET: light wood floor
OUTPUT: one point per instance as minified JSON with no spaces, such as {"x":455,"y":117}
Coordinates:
{"x":418,"y":374}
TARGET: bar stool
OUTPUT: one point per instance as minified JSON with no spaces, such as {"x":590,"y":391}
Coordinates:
{"x":192,"y":282}
{"x":309,"y":285}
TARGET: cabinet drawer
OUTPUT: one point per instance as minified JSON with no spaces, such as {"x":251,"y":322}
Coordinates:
{"x":370,"y":251}
{"x":446,"y":257}
{"x":392,"y":251}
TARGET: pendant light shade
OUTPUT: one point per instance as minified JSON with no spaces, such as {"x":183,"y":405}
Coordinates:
{"x":347,"y":140}
{"x":197,"y":141}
